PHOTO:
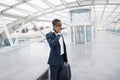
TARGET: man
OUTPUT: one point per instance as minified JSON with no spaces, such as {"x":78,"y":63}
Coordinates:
{"x":58,"y":53}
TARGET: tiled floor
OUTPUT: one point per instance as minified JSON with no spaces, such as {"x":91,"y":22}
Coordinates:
{"x":99,"y":60}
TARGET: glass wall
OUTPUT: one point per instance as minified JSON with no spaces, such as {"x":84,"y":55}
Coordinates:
{"x":81,"y":29}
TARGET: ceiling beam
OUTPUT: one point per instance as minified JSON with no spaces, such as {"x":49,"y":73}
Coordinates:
{"x":12,"y":15}
{"x":4,"y":5}
{"x":13,"y":6}
{"x":41,"y":20}
{"x":116,"y":16}
{"x":47,"y":11}
{"x":73,"y":4}
{"x":104,"y":10}
{"x":78,"y":1}
{"x":111,"y":13}
{"x":94,"y":11}
{"x":60,"y":7}
{"x":10,"y":7}
{"x":48,"y":3}
{"x":106,"y":20}
{"x":64,"y":3}
{"x":112,"y":19}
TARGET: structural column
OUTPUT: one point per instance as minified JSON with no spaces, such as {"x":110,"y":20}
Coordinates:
{"x":6,"y":30}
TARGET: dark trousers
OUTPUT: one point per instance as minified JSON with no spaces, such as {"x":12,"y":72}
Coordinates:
{"x":55,"y":72}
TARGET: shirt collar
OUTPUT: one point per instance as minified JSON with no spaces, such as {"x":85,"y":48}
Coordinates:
{"x":54,"y":32}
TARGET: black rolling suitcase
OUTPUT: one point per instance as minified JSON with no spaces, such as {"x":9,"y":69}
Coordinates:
{"x":66,"y":72}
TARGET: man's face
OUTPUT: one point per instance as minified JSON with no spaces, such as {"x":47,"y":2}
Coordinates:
{"x":59,"y":27}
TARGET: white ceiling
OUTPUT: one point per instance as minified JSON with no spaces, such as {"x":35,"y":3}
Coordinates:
{"x":103,"y":11}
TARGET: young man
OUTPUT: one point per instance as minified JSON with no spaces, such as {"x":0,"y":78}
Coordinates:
{"x":58,"y":53}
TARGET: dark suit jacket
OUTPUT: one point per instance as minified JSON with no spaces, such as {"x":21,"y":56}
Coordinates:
{"x":55,"y":57}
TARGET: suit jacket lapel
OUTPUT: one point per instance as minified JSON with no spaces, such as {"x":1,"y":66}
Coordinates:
{"x":54,"y":35}
{"x":64,"y":45}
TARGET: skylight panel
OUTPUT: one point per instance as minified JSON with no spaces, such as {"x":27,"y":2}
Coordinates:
{"x":55,"y":2}
{"x":12,"y":11}
{"x":114,"y":1}
{"x":8,"y":2}
{"x":28,"y":8}
{"x":9,"y":19}
{"x":110,"y":7}
{"x":68,"y":1}
{"x":39,"y":3}
{"x":2,"y":8}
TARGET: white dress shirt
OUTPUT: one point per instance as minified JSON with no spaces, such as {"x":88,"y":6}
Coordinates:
{"x":61,"y":42}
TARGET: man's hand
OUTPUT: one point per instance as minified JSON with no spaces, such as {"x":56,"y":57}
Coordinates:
{"x":58,"y":36}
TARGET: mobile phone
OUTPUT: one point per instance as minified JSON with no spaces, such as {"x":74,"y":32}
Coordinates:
{"x":54,"y":27}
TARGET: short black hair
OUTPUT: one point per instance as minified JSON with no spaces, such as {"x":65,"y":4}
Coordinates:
{"x":55,"y":21}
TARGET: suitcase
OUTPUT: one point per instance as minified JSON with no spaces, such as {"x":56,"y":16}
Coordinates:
{"x":66,"y":72}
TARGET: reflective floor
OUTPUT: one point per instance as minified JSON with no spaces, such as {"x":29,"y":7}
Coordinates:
{"x":99,"y":60}
{"x":23,"y":63}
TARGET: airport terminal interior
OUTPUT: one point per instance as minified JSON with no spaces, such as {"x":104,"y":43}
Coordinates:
{"x":91,"y":30}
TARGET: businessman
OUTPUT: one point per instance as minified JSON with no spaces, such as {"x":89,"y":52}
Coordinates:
{"x":58,"y":54}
